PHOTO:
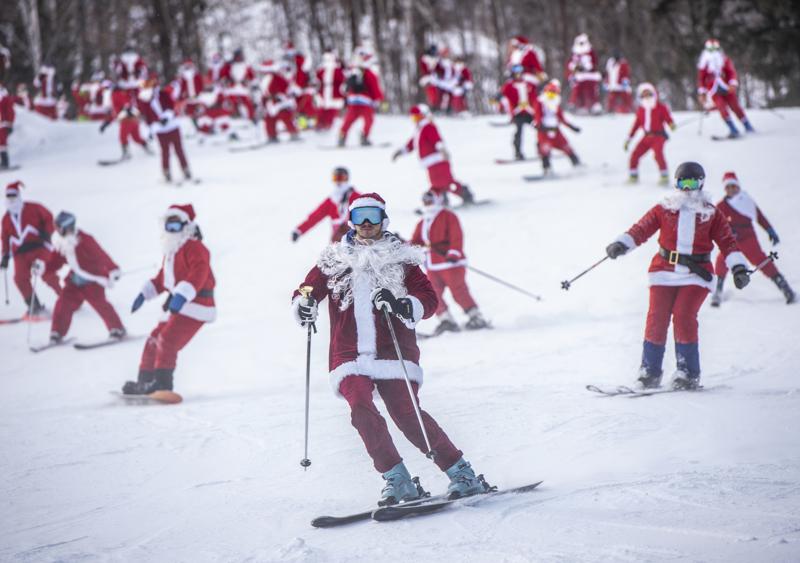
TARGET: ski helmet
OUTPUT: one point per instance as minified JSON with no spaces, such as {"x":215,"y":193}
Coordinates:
{"x":690,"y":176}
{"x":65,"y":221}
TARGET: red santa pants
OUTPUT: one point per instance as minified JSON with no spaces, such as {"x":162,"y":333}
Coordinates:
{"x":725,"y":101}
{"x":432,"y":95}
{"x":167,"y":339}
{"x":3,"y":138}
{"x":441,"y":179}
{"x":619,"y":102}
{"x":681,"y":304}
{"x":129,"y":129}
{"x":455,"y":280}
{"x":305,"y":105}
{"x":354,"y":112}
{"x":45,"y":110}
{"x":371,"y":426}
{"x":748,"y":244}
{"x":549,"y":139}
{"x":22,"y":271}
{"x":585,"y":94}
{"x":325,"y":117}
{"x":652,"y":142}
{"x":73,"y":296}
{"x":171,"y":139}
{"x":458,"y":103}
{"x":237,"y":100}
{"x":286,"y":117}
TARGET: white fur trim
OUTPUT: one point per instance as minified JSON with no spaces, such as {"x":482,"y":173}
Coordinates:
{"x":735,"y":259}
{"x":744,"y":204}
{"x":417,"y":312}
{"x":366,"y":202}
{"x":374,"y":369}
{"x":664,"y":277}
{"x":178,"y":213}
{"x":431,"y":159}
{"x":627,"y":240}
{"x":203,"y":313}
{"x":684,"y":243}
{"x":149,"y":291}
{"x":185,"y":289}
{"x":431,"y":267}
{"x":363,"y":311}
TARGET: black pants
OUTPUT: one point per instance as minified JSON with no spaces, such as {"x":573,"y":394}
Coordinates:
{"x":520,"y":120}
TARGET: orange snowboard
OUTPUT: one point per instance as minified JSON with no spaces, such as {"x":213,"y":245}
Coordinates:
{"x":163,"y":397}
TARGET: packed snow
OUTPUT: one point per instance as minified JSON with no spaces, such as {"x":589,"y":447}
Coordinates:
{"x":709,"y":476}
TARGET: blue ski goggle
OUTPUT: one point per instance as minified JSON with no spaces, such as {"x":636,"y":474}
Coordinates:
{"x":174,"y":225}
{"x":689,"y":184}
{"x":373,"y":215}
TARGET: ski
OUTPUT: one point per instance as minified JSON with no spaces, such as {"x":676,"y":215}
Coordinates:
{"x":16,"y":320}
{"x":11,"y":168}
{"x":154,"y":398}
{"x":725,"y":137}
{"x":516,"y":160}
{"x":192,"y":181}
{"x":475,"y":203}
{"x":381,"y":145}
{"x":623,"y":390}
{"x":49,"y":345}
{"x":334,"y":521}
{"x":398,"y":511}
{"x":104,"y":342}
{"x":112,"y":162}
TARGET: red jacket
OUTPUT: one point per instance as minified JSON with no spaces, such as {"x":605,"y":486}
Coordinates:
{"x":440,"y":233}
{"x":87,"y":260}
{"x":652,"y":121}
{"x":686,"y":231}
{"x":191,"y":85}
{"x":275,"y":93}
{"x":7,"y":114}
{"x":360,"y":342}
{"x":618,"y":75}
{"x":338,"y":211}
{"x":531,"y":66}
{"x":427,"y":70}
{"x":161,"y":111}
{"x":130,"y":69}
{"x":712,"y":76}
{"x":30,"y":228}
{"x":362,"y":87}
{"x":187,"y":272}
{"x":428,"y":143}
{"x":237,"y":75}
{"x":582,"y":67}
{"x":740,"y":211}
{"x":518,"y":96}
{"x":330,"y":79}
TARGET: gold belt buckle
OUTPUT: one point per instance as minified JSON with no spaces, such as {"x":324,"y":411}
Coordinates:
{"x":673,"y":257}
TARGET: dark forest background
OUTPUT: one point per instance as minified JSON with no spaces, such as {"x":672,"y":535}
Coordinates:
{"x":661,"y":38}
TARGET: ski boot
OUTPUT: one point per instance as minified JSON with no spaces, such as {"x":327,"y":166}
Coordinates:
{"x":117,"y":333}
{"x":55,"y":338}
{"x":187,"y":174}
{"x":463,"y":481}
{"x":4,"y":164}
{"x":747,"y":126}
{"x":716,"y":298}
{"x":733,"y":132}
{"x":519,"y":156}
{"x":446,"y":324}
{"x":149,"y":381}
{"x":787,"y":291}
{"x":573,"y":158}
{"x":126,"y":154}
{"x":365,"y":142}
{"x":167,"y":176}
{"x":273,"y":141}
{"x":36,"y":309}
{"x":400,"y":487}
{"x":466,"y":195}
{"x":341,"y":141}
{"x":476,"y":320}
{"x":649,"y":380}
{"x":683,"y":380}
{"x":663,"y":179}
{"x":633,"y":178}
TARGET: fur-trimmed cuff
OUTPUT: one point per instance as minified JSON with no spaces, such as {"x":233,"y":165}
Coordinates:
{"x":185,"y":289}
{"x":627,"y":240}
{"x":149,"y":291}
{"x":735,"y":259}
{"x":417,"y":312}
{"x":456,"y":253}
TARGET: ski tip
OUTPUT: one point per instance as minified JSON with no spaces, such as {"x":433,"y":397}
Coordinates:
{"x":167,"y":397}
{"x":324,"y":522}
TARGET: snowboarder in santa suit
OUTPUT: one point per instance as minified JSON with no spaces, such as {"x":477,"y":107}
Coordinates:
{"x":652,"y":117}
{"x":681,"y":273}
{"x":92,"y":271}
{"x":335,"y":207}
{"x":741,"y":210}
{"x":7,"y":116}
{"x":363,"y":95}
{"x":618,"y":84}
{"x":126,"y":112}
{"x":440,"y":233}
{"x":186,"y":277}
{"x":547,"y":117}
{"x":159,"y":110}
{"x":369,"y":271}
{"x":717,"y":82}
{"x":521,"y":52}
{"x":583,"y":76}
{"x":518,"y":99}
{"x":27,"y":229}
{"x":433,"y":155}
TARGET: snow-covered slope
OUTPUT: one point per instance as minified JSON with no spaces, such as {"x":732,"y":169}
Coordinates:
{"x":713,"y":476}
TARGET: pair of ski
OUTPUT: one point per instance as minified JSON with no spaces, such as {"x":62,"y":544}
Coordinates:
{"x":625,"y":391}
{"x":420,"y":507}
{"x":82,"y":345}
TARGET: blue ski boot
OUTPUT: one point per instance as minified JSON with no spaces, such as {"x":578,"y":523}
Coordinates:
{"x":463,"y":481}
{"x":732,"y":128}
{"x":747,"y":126}
{"x":399,"y":486}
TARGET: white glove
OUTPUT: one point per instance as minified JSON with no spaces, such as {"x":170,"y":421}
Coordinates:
{"x":443,"y":151}
{"x":305,"y":310}
{"x":38,"y":267}
{"x":113,"y":278}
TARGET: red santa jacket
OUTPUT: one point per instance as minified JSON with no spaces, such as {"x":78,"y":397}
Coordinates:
{"x":618,"y":75}
{"x":687,"y":227}
{"x":652,"y":120}
{"x":518,"y":96}
{"x":162,"y":111}
{"x":29,"y":229}
{"x":427,"y":69}
{"x":275,"y":93}
{"x":330,"y":78}
{"x":360,"y":341}
{"x":548,"y":114}
{"x":87,"y":260}
{"x":45,"y":82}
{"x":440,"y":232}
{"x":740,"y":211}
{"x":187,"y":272}
{"x":123,"y":104}
{"x":191,"y":84}
{"x":582,"y":67}
{"x":337,"y":208}
{"x":237,"y":75}
{"x":130,"y":69}
{"x":526,"y":56}
{"x":716,"y":72}
{"x":362,"y":87}
{"x":428,"y":143}
{"x":7,"y":114}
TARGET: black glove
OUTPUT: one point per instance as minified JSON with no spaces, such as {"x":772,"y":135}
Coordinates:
{"x":9,"y":130}
{"x":740,"y":276}
{"x":307,"y":311}
{"x":773,"y":236}
{"x":575,"y":128}
{"x":4,"y":262}
{"x":295,"y":236}
{"x":384,"y":299}
{"x":616,"y":249}
{"x":104,"y":126}
{"x":163,"y":121}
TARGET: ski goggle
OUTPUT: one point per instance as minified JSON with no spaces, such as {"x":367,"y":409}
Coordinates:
{"x":689,"y":184}
{"x":339,"y":177}
{"x":372,"y":215}
{"x":174,"y":225}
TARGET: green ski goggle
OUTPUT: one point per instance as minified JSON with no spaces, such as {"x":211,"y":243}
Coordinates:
{"x":689,"y":184}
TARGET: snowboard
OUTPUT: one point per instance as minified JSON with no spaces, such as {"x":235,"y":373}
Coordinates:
{"x":516,"y":160}
{"x":104,"y":342}
{"x":726,"y":137}
{"x":155,"y":398}
{"x":15,"y":320}
{"x":381,"y":145}
{"x":49,"y":345}
{"x":625,"y":391}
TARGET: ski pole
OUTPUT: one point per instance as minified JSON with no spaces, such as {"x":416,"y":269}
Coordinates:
{"x":565,"y":285}
{"x":504,"y":283}
{"x":431,"y":454}
{"x":305,"y":291}
{"x":771,"y":258}
{"x":703,"y":113}
{"x":137,"y":270}
{"x":5,"y":283}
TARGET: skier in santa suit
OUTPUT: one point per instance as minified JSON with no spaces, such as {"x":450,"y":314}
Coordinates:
{"x":214,"y":67}
{"x":681,"y":274}
{"x":428,"y":63}
{"x":96,"y":98}
{"x":618,"y":84}
{"x":46,"y":97}
{"x":718,"y":81}
{"x":27,"y":229}
{"x":7,"y":116}
{"x":653,"y":118}
{"x":518,"y":98}
{"x":158,"y":108}
{"x":445,"y":81}
{"x":330,"y":97}
{"x":522,"y":53}
{"x":433,"y":155}
{"x":335,"y":207}
{"x":362,"y":95}
{"x":125,"y":111}
{"x":278,"y":104}
{"x":462,"y":84}
{"x":191,"y":85}
{"x":440,"y":233}
{"x":740,"y":210}
{"x":369,"y":271}
{"x":92,"y":271}
{"x":300,"y":80}
{"x":214,"y":116}
{"x":237,"y":76}
{"x":547,"y":117}
{"x":186,"y":277}
{"x":130,"y":70}
{"x":583,"y":76}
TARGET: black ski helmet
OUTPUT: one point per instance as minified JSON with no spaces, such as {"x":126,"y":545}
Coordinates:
{"x":690,"y":170}
{"x":65,"y":221}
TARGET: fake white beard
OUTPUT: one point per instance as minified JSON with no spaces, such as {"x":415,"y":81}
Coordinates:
{"x":697,"y":201}
{"x":172,"y":242}
{"x":648,"y":103}
{"x":431,"y":210}
{"x":339,"y":189}
{"x":712,"y":61}
{"x":14,"y":205}
{"x":146,"y":94}
{"x":551,"y":103}
{"x":65,"y":245}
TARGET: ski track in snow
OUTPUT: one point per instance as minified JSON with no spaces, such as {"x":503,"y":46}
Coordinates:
{"x":682,"y":477}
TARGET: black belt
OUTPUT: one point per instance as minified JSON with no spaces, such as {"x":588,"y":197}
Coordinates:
{"x":691,"y":261}
{"x":28,"y":246}
{"x":205,"y":293}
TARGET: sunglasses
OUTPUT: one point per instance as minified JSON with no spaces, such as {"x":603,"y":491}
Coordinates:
{"x":174,"y":226}
{"x":372,"y":215}
{"x":689,"y":184}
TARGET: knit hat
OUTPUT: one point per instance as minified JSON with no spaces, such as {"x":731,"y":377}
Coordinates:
{"x":730,"y":178}
{"x":369,"y":200}
{"x":185,"y":212}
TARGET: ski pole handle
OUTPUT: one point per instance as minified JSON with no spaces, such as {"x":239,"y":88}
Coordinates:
{"x":305,"y":292}
{"x":771,"y":258}
{"x":566,"y":284}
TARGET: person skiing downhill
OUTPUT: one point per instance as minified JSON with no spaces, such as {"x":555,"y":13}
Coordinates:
{"x":681,"y":274}
{"x":335,"y":207}
{"x":651,"y":117}
{"x":371,"y":271}
{"x":717,"y":82}
{"x":548,"y":116}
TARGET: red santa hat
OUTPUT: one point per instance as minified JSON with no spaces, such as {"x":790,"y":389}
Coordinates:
{"x":268,"y":65}
{"x":730,"y":178}
{"x":14,"y":189}
{"x":646,"y":87}
{"x":519,"y":40}
{"x":185,"y":212}
{"x":369,"y":200}
{"x":419,"y":110}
